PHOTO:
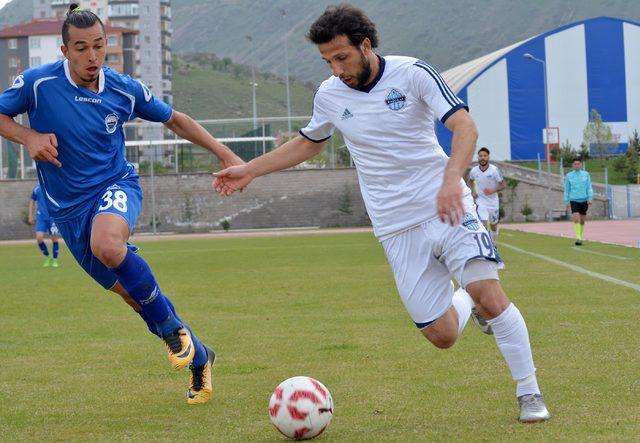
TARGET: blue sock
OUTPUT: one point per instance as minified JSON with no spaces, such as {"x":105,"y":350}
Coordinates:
{"x":200,"y":357}
{"x":153,"y":328}
{"x":56,"y":248}
{"x":136,"y":278}
{"x":43,"y":248}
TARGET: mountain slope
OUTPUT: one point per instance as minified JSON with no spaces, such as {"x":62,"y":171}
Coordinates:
{"x":444,"y":33}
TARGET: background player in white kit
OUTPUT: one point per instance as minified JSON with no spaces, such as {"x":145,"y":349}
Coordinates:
{"x":385,"y":107}
{"x":488,"y":181}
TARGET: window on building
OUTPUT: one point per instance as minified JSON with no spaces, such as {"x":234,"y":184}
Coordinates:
{"x":34,"y":42}
{"x":43,"y":14}
{"x":13,"y":62}
{"x":123,"y":10}
{"x":112,"y":59}
{"x":147,"y":39}
{"x":12,"y":43}
{"x":112,"y":40}
{"x":34,"y":61}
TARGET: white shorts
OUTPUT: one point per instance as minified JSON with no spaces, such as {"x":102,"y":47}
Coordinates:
{"x":490,"y":214}
{"x":425,"y":258}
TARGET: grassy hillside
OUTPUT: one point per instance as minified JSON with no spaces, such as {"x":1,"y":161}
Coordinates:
{"x":210,"y":89}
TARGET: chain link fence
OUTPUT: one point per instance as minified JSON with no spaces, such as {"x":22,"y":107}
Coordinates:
{"x":150,"y":146}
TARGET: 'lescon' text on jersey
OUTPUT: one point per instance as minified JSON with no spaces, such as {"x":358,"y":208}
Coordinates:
{"x":389,"y":129}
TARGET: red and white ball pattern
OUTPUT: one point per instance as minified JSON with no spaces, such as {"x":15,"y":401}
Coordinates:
{"x":301,"y":408}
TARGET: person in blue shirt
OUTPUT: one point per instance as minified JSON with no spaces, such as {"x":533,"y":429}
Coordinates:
{"x":44,"y":226}
{"x":76,"y":110}
{"x":578,"y":193}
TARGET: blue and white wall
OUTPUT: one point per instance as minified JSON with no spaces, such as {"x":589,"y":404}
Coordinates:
{"x":593,"y":64}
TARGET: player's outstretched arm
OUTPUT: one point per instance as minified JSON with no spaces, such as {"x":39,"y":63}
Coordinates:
{"x":292,"y":153}
{"x":187,"y":128}
{"x":463,"y":143}
{"x":41,"y":147}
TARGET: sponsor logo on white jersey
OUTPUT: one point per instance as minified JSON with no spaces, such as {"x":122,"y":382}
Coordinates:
{"x":346,"y":114}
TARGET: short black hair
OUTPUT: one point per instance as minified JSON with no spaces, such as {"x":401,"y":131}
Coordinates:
{"x":483,"y":149}
{"x":343,"y":19}
{"x":576,"y":159}
{"x":80,"y":19}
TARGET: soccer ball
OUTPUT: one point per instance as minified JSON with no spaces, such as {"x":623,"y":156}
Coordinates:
{"x":301,"y":408}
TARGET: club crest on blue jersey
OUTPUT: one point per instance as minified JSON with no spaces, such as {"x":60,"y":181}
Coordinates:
{"x":111,"y":122}
{"x":395,"y":99}
{"x":470,"y":222}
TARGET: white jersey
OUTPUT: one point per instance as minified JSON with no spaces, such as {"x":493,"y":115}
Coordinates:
{"x":389,"y":129}
{"x":490,"y":178}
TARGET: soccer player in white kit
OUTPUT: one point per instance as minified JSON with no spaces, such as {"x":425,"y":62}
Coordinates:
{"x":420,"y":208}
{"x":488,"y":181}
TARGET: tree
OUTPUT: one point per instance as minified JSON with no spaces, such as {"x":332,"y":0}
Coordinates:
{"x":635,"y":142}
{"x":598,"y":135}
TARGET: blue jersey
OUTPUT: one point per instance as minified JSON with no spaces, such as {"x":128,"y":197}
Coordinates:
{"x":38,"y":196}
{"x":88,"y":127}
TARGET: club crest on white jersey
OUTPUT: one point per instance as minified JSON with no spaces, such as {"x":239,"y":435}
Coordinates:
{"x":395,"y":99}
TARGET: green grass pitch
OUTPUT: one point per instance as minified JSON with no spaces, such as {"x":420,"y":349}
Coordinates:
{"x":78,"y":364}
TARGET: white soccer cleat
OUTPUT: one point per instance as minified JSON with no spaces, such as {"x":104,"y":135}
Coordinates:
{"x":480,"y":322}
{"x":533,"y":409}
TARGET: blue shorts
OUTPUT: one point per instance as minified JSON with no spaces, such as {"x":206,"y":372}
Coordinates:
{"x":46,"y":225}
{"x":123,"y":198}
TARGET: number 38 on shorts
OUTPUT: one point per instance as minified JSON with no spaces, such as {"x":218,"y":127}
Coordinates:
{"x":114,"y":198}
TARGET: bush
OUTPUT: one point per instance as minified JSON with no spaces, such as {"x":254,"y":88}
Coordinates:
{"x":225,"y":224}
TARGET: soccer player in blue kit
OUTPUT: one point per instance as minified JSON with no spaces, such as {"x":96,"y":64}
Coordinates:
{"x":76,"y":110}
{"x":44,"y":225}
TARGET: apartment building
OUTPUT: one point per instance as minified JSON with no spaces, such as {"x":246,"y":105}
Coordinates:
{"x":38,"y":43}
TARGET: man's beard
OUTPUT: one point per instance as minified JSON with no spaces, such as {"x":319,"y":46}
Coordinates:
{"x":483,"y":162}
{"x":364,"y":73}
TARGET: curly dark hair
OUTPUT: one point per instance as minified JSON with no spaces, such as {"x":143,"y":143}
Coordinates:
{"x":343,"y":19}
{"x":79,"y":19}
{"x":483,"y":149}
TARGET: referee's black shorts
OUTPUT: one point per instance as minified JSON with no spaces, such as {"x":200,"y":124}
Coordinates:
{"x":579,"y":207}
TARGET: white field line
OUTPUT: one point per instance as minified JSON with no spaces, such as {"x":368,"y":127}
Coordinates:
{"x":575,"y":268}
{"x":599,"y":253}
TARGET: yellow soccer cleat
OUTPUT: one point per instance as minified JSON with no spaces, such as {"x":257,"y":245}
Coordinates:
{"x":54,"y":263}
{"x":180,"y":348}
{"x":200,"y":381}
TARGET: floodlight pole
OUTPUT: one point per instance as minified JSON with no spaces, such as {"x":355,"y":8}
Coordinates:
{"x":546,"y":131}
{"x":286,"y":70}
{"x":253,"y":85}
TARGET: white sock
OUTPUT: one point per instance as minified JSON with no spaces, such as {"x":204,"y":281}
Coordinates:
{"x":462,"y":303}
{"x":527,"y":386}
{"x":512,"y":338}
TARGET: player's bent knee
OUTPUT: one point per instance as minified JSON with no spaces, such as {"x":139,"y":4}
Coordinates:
{"x":441,"y":333}
{"x":110,"y":250}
